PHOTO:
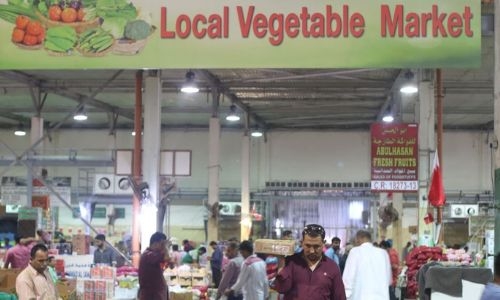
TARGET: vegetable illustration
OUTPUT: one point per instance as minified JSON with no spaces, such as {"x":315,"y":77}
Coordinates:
{"x":27,"y":32}
{"x":10,"y":12}
{"x":137,"y":30}
{"x":69,"y":15}
{"x":60,"y":39}
{"x":55,"y":13}
{"x":95,"y":41}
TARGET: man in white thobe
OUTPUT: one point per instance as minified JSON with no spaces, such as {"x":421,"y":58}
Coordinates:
{"x":252,"y":281}
{"x":367,"y":273}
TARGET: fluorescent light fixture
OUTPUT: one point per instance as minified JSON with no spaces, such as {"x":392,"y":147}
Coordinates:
{"x":20,"y":130}
{"x":388,"y":118}
{"x":80,"y":115}
{"x":409,"y":86}
{"x":409,"y":89}
{"x":133,"y":133}
{"x":256,"y":133}
{"x":233,"y":115}
{"x":189,"y":86}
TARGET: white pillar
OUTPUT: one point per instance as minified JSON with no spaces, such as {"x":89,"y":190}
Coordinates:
{"x":213,"y":175}
{"x":151,"y":155}
{"x":427,"y":143}
{"x":36,"y":132}
{"x":246,"y":221}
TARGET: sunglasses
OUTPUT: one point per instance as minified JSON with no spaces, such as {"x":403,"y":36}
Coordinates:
{"x":314,"y":230}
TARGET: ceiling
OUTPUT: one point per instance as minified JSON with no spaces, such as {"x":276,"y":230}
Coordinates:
{"x":275,"y":99}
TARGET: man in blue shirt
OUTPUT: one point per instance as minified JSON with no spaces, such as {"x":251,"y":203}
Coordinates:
{"x":333,"y":252}
{"x":216,"y":263}
{"x":492,"y":290}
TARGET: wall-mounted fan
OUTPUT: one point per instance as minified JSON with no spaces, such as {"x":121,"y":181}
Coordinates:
{"x":387,"y":215}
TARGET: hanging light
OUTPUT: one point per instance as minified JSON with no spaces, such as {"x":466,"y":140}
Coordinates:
{"x":388,"y":117}
{"x":20,"y":130}
{"x":409,"y":87}
{"x":256,"y":133}
{"x":233,"y":115}
{"x":80,"y":115}
{"x":189,"y":86}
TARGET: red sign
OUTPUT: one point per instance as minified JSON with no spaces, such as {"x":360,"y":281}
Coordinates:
{"x":394,"y":157}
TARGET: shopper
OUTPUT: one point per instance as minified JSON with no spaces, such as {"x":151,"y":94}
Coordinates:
{"x":35,"y":282}
{"x":394,"y":261}
{"x":367,"y":270}
{"x":231,"y":272}
{"x":310,"y":274}
{"x":334,"y":251}
{"x":492,"y":289}
{"x":252,"y":280}
{"x":18,"y":257}
{"x":152,"y":284}
{"x":103,"y":254}
{"x":216,"y":263}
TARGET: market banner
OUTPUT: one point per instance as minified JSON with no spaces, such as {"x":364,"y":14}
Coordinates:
{"x":394,"y":157}
{"x":106,"y":34}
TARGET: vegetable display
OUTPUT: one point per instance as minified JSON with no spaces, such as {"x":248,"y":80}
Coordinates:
{"x":418,"y":257}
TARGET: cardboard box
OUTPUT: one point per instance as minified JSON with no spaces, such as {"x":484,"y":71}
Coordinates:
{"x":67,"y":289}
{"x":274,"y":247}
{"x":185,"y":280}
{"x":8,"y":279}
{"x":81,"y":244}
{"x":180,"y":296}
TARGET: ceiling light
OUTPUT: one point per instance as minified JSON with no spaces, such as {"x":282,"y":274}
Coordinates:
{"x":388,"y":118}
{"x":20,"y":130}
{"x":80,"y":115}
{"x":233,"y":115}
{"x":409,"y":86}
{"x":257,"y":133}
{"x":189,"y":86}
{"x":133,"y":133}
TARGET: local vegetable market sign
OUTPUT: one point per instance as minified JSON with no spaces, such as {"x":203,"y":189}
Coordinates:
{"x":239,"y":34}
{"x":394,"y":157}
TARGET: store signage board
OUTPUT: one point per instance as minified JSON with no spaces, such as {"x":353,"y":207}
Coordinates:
{"x":394,"y":157}
{"x":14,"y":190}
{"x":279,"y":34}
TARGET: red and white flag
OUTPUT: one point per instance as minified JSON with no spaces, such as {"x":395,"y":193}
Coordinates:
{"x":436,"y":195}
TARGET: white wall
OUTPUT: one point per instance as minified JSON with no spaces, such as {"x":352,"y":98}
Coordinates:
{"x":334,"y":156}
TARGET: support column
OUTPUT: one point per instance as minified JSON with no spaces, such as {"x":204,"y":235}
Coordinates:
{"x":151,"y":155}
{"x":246,"y":220}
{"x":36,"y":133}
{"x":426,"y":138}
{"x":496,"y":110}
{"x":397,"y":227}
{"x":213,"y":176}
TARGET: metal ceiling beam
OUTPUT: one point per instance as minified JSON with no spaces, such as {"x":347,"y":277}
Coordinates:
{"x":392,"y":95}
{"x":14,"y":117}
{"x":214,"y":81}
{"x":78,"y":97}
